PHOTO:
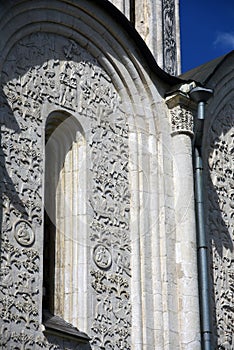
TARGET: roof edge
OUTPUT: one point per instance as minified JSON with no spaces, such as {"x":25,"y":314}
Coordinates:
{"x":203,"y":73}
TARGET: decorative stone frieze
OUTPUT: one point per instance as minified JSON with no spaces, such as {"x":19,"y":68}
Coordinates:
{"x":219,"y":224}
{"x":109,"y":231}
{"x":170,"y":64}
{"x":48,"y":69}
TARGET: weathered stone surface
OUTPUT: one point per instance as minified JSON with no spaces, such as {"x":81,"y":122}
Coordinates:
{"x":96,"y":165}
{"x":72,"y":80}
{"x":95,"y":171}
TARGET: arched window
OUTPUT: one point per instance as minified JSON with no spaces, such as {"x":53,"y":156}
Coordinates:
{"x":64,"y":213}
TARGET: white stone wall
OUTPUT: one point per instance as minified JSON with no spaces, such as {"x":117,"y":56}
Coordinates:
{"x":123,"y":266}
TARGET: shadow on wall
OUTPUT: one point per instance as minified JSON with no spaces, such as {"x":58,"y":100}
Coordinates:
{"x":9,"y":188}
{"x":219,"y":209}
{"x":41,"y":68}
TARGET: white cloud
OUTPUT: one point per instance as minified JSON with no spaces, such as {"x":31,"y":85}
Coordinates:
{"x":225,"y":40}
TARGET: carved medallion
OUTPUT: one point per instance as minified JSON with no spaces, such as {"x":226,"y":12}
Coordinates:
{"x":24,"y":233}
{"x":65,"y":76}
{"x":102,"y":256}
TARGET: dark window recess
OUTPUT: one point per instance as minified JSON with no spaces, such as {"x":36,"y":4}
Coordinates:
{"x":49,"y":264}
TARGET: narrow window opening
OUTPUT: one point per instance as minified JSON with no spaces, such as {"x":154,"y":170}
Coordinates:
{"x":48,"y":264}
{"x":64,"y":176}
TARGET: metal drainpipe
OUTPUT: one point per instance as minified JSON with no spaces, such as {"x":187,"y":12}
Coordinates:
{"x":201,"y":96}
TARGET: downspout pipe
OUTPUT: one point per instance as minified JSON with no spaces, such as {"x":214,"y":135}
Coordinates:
{"x":201,"y":96}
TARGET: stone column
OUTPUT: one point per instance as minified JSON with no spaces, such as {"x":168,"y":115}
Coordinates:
{"x":180,"y":108}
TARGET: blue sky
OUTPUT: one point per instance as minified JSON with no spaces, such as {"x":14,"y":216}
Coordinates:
{"x":207,"y":30}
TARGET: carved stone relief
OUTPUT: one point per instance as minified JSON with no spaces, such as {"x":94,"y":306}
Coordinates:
{"x":45,"y":68}
{"x":109,"y":232}
{"x":181,"y":121}
{"x":24,"y":233}
{"x":169,"y":37}
{"x":220,"y":224}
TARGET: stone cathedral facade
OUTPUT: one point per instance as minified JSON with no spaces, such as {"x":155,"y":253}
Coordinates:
{"x":98,"y":209}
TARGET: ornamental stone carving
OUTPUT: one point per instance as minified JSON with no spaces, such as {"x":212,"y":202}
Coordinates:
{"x":169,"y":37}
{"x":110,"y":203}
{"x":47,"y":69}
{"x":24,"y":233}
{"x":181,"y":111}
{"x":102,"y":256}
{"x":220,"y":227}
{"x":181,"y":121}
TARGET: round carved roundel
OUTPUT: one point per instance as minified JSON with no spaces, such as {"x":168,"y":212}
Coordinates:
{"x":102,"y":256}
{"x":24,"y":234}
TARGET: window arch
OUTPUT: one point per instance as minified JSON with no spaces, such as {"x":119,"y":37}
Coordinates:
{"x":64,"y":214}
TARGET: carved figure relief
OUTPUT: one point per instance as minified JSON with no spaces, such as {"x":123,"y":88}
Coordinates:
{"x":45,"y":68}
{"x":24,"y":233}
{"x":102,"y":257}
{"x":220,"y":224}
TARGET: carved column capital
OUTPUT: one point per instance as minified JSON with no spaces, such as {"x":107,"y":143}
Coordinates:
{"x":181,"y":114}
{"x":181,"y":121}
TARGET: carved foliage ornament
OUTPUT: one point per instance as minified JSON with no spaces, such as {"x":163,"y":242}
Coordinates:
{"x":45,"y":68}
{"x":181,"y":121}
{"x":169,"y":37}
{"x":220,"y":222}
{"x":110,"y":203}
